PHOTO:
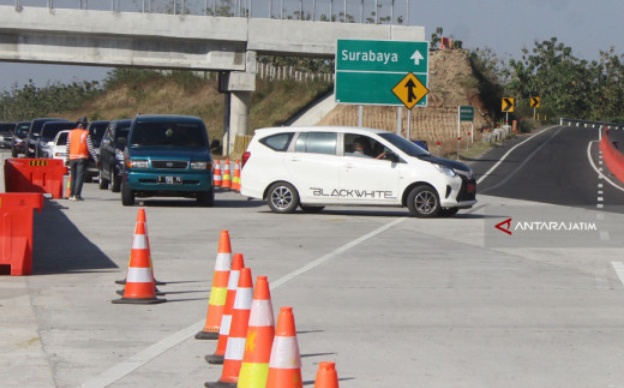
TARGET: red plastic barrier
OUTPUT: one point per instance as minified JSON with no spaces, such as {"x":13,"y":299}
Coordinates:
{"x":614,"y":158}
{"x":16,"y":230}
{"x":34,"y":176}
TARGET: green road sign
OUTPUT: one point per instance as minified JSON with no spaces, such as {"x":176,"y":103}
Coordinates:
{"x":466,"y":113}
{"x":367,"y":71}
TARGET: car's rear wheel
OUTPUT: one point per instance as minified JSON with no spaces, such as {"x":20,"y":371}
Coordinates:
{"x":206,"y":198}
{"x":311,"y":209}
{"x":127,"y":196}
{"x":103,"y":182}
{"x":283,"y":198}
{"x":423,"y":201}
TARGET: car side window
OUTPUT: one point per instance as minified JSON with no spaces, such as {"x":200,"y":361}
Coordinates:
{"x":317,"y":143}
{"x":108,"y":136}
{"x":362,"y":146}
{"x":278,"y":142}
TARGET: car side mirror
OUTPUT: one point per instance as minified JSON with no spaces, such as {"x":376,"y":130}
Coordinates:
{"x":391,"y":156}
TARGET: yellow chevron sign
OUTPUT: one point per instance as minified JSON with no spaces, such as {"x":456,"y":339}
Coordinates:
{"x":535,"y":102}
{"x":509,"y":104}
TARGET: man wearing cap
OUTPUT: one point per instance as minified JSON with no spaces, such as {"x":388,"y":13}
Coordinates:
{"x":79,"y":147}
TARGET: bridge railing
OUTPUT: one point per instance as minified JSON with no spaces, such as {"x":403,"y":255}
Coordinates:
{"x":342,"y":11}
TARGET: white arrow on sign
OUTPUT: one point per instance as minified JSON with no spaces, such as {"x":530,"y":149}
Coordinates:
{"x":417,"y":57}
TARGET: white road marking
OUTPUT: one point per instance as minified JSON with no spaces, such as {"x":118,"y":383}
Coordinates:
{"x":619,"y":269}
{"x":528,"y":158}
{"x":143,"y":357}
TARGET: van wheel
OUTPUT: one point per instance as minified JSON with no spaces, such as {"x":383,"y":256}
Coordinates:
{"x":448,"y":212}
{"x":283,"y":198}
{"x":103,"y":182}
{"x":423,"y":202}
{"x":311,"y":209}
{"x":127,"y":196}
{"x":115,"y":182}
{"x":206,"y":198}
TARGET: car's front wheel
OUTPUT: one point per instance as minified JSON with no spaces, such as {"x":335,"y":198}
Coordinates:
{"x":127,"y":196}
{"x":423,"y":201}
{"x":283,"y":198}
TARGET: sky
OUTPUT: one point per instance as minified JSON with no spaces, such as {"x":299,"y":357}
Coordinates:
{"x":505,"y":26}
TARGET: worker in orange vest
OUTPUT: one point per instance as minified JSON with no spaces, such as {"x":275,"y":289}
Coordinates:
{"x":79,"y":147}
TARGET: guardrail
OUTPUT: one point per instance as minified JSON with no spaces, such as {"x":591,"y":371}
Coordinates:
{"x":365,"y":11}
{"x":589,"y":123}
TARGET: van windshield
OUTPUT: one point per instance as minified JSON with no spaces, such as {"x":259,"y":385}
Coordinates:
{"x":404,"y":145}
{"x":168,"y":134}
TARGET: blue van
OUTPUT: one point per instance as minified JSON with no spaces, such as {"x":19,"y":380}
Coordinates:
{"x":167,"y":156}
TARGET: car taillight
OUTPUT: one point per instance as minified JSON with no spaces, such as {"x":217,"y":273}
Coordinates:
{"x":246,"y":156}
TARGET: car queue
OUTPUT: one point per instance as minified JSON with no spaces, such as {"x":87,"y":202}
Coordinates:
{"x":289,"y":168}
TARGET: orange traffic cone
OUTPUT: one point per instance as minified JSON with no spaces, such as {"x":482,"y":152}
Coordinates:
{"x":238,"y":333}
{"x":326,"y":376}
{"x":218,"y":293}
{"x":227,"y":180}
{"x":141,"y":218}
{"x":237,"y":264}
{"x":260,"y":334}
{"x":217,"y":174}
{"x":285,"y":363}
{"x":140,"y":287}
{"x":236,"y":178}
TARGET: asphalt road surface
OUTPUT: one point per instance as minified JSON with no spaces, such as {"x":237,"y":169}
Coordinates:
{"x":395,"y":301}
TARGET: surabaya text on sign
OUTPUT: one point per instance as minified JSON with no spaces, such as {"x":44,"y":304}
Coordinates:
{"x":369,"y":56}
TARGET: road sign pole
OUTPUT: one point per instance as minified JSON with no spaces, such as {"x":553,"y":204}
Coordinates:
{"x":399,"y":127}
{"x":409,"y":120}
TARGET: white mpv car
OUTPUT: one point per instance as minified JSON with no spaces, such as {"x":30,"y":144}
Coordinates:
{"x":314,"y":167}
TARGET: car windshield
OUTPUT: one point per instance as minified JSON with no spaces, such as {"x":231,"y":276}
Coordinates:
{"x":169,"y":134}
{"x":404,"y":145}
{"x":51,"y":129}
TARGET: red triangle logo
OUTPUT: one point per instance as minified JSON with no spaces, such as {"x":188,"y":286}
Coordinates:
{"x":504,"y":226}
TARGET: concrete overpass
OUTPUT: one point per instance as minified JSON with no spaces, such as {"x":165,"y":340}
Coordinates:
{"x":226,"y":44}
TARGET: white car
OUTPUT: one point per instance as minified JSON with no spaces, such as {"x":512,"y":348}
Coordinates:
{"x":59,"y":145}
{"x":312,"y":167}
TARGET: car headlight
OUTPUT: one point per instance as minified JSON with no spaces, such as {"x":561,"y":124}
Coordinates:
{"x":445,"y":170}
{"x":138,"y":164}
{"x":467,"y":174}
{"x":200,"y":165}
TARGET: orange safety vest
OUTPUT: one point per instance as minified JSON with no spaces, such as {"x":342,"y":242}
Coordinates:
{"x":78,"y":148}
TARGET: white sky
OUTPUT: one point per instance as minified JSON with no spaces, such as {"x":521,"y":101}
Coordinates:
{"x":506,"y":26}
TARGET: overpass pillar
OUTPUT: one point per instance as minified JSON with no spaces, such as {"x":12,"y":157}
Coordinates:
{"x":238,"y":87}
